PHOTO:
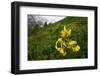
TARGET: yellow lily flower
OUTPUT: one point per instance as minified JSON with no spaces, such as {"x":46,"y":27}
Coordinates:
{"x":60,"y":41}
{"x":60,"y":48}
{"x":72,"y":44}
{"x":62,"y":44}
{"x":65,"y":33}
{"x":76,"y":48}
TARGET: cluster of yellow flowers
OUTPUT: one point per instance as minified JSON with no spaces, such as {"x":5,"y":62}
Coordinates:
{"x":64,"y":42}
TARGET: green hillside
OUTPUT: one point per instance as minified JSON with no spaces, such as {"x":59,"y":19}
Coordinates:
{"x":41,"y":40}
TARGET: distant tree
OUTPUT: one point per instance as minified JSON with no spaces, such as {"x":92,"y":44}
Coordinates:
{"x":45,"y":24}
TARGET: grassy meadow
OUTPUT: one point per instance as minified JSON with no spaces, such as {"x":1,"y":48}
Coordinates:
{"x":42,"y":40}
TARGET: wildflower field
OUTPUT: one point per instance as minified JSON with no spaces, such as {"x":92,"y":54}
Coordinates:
{"x":64,"y":39}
